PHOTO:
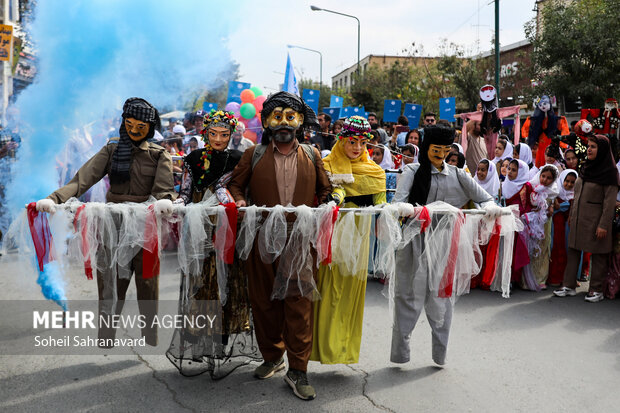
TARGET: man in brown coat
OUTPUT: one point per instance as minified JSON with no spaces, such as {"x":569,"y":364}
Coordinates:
{"x":281,"y":171}
{"x":138,"y":170}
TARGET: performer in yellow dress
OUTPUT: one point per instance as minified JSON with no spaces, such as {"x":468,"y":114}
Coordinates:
{"x":357,"y":182}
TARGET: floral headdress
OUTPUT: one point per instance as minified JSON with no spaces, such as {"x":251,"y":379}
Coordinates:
{"x":219,"y":119}
{"x":355,"y":126}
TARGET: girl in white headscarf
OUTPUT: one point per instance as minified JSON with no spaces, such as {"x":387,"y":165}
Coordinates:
{"x":539,"y":225}
{"x":486,"y":176}
{"x":524,"y":152}
{"x":561,"y":210}
{"x":503,"y":150}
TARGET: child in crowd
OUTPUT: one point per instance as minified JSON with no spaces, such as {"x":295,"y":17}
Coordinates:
{"x":571,"y":160}
{"x":554,"y":157}
{"x":457,"y":159}
{"x":502,"y":169}
{"x":538,"y":227}
{"x":561,"y":210}
{"x":487,"y":178}
{"x":503,"y":150}
{"x":516,"y":190}
{"x":524,"y":152}
{"x":382,"y":156}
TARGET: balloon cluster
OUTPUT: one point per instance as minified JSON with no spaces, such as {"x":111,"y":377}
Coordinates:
{"x":248,"y":111}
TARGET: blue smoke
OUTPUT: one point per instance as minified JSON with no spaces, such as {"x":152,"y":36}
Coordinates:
{"x":52,"y":284}
{"x":92,"y":55}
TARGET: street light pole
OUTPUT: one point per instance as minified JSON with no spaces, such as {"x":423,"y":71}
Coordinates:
{"x":497,"y":68}
{"x":315,"y":8}
{"x":290,"y":46}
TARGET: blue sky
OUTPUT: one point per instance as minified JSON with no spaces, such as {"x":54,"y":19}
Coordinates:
{"x":259,"y":41}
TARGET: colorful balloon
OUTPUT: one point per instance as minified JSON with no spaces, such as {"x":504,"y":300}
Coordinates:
{"x":254,"y":125}
{"x":258,"y":103}
{"x":250,"y":135}
{"x":247,"y":110}
{"x":257,"y":91}
{"x":247,"y":96}
{"x":232,"y":107}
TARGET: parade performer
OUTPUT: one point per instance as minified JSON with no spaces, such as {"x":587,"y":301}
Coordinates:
{"x":208,"y":172}
{"x":280,"y":171}
{"x":357,"y":182}
{"x":429,"y":181}
{"x":137,"y":170}
{"x":604,"y":120}
{"x":543,"y":125}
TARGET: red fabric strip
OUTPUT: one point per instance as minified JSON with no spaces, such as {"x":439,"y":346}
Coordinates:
{"x":83,"y":227}
{"x":425,"y":217}
{"x":447,"y":280}
{"x":229,"y":247}
{"x":329,"y":228}
{"x":150,"y":253}
{"x":490,"y":259}
{"x":41,"y":236}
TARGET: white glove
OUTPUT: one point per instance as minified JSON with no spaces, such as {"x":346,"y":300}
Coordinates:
{"x":492,"y":211}
{"x":405,"y":209}
{"x":163,"y":207}
{"x":46,"y":205}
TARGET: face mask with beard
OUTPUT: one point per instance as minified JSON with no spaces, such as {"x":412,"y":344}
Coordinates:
{"x":283,"y":122}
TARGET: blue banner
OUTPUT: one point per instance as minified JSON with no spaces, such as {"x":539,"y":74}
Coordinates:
{"x":311,"y":97}
{"x":391,"y":110}
{"x":447,"y":109}
{"x":335,"y":101}
{"x":413,"y":113}
{"x":333,"y":112}
{"x":290,"y":81}
{"x":234,"y":91}
{"x":207,"y":106}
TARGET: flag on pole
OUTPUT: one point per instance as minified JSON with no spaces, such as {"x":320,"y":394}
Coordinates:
{"x":290,"y":82}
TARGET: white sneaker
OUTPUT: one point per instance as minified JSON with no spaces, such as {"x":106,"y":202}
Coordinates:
{"x":565,"y":291}
{"x":594,"y":297}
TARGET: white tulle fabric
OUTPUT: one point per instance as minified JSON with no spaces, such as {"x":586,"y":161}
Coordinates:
{"x":110,"y":235}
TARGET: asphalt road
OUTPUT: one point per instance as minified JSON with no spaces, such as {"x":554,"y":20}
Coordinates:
{"x":532,"y":352}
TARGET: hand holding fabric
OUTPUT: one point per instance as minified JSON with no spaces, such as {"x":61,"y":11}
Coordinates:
{"x":492,"y":211}
{"x":163,"y":207}
{"x":46,"y":205}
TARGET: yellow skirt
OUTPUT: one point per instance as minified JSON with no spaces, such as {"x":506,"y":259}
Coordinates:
{"x":339,"y":315}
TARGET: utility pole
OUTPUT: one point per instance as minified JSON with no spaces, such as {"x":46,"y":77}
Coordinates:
{"x":497,"y":47}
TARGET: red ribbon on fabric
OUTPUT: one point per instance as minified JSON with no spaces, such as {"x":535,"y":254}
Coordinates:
{"x":447,"y":280}
{"x":150,"y":253}
{"x":83,"y":227}
{"x":328,"y":240}
{"x":491,"y":256}
{"x":41,"y":235}
{"x":425,"y":217}
{"x":229,"y":246}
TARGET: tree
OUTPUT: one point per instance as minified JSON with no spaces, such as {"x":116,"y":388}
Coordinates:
{"x":465,"y":74}
{"x":576,"y":50}
{"x":325,"y":91}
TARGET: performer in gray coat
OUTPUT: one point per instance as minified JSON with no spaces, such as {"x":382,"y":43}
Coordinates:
{"x":429,"y":181}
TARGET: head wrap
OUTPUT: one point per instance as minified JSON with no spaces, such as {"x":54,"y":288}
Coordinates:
{"x":508,"y":152}
{"x":219,"y":119}
{"x":602,"y":170}
{"x":386,"y":162}
{"x":551,"y":190}
{"x":510,"y":188}
{"x":287,"y":100}
{"x":458,"y":145}
{"x":491,"y":183}
{"x":433,"y":135}
{"x":359,"y":176}
{"x":355,"y":126}
{"x":525,"y":154}
{"x":563,"y":194}
{"x":143,"y":111}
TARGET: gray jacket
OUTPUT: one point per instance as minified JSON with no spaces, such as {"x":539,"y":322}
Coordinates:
{"x":452,"y":185}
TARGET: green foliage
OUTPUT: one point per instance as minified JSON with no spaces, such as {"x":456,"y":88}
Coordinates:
{"x":577,"y":54}
{"x":465,"y":74}
{"x":325,"y":91}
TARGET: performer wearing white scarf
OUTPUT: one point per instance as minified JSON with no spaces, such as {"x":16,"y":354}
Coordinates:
{"x":524,"y":152}
{"x":511,"y":187}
